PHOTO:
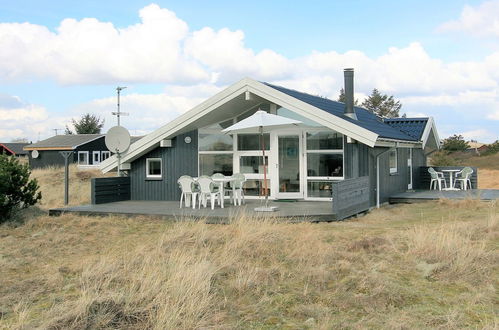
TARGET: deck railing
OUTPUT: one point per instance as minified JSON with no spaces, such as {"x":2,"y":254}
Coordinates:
{"x":107,"y":190}
{"x":350,"y":197}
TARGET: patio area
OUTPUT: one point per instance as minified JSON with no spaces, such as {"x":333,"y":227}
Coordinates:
{"x":290,"y":210}
{"x":428,"y":195}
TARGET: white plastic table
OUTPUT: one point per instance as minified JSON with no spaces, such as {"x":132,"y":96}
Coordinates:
{"x":451,"y":179}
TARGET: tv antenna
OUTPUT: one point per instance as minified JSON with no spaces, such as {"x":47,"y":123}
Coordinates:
{"x":56,"y":130}
{"x":119,"y":113}
{"x":118,"y":140}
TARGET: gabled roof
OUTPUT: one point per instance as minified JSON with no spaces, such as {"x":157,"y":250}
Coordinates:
{"x":64,"y":142}
{"x":15,"y":147}
{"x":365,"y":118}
{"x":411,"y":126}
{"x":368,"y":129}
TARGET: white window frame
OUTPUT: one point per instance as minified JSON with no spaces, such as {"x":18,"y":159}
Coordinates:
{"x":154,"y":176}
{"x":107,"y":153}
{"x":393,"y":170}
{"x":321,"y":151}
{"x":94,"y":162}
{"x":81,"y":153}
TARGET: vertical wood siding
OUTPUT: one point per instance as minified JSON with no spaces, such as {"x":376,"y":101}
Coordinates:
{"x":179,"y":159}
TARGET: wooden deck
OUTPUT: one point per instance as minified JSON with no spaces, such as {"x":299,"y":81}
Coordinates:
{"x":293,"y":211}
{"x":428,"y":195}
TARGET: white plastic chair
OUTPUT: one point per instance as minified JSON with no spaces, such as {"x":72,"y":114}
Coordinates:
{"x":237,"y":184}
{"x":464,"y":178}
{"x":189,"y":190}
{"x":208,"y":189}
{"x":436,"y":179}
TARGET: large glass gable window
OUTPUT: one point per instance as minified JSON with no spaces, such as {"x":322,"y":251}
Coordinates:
{"x":216,"y":149}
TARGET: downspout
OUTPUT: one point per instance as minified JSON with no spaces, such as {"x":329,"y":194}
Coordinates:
{"x":377,"y":176}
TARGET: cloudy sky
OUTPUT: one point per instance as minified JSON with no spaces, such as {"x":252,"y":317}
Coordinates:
{"x":60,"y":59}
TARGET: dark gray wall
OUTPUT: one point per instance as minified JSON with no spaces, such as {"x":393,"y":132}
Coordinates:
{"x":46,"y":158}
{"x":179,"y":159}
{"x":396,"y":182}
{"x":96,"y":145}
{"x":356,"y":160}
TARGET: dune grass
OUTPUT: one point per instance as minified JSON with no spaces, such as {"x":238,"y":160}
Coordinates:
{"x":432,"y":265}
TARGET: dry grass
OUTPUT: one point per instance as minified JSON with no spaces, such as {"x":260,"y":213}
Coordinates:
{"x":416,"y":266}
{"x":488,"y":179}
{"x":431,"y":265}
{"x":51,"y":181}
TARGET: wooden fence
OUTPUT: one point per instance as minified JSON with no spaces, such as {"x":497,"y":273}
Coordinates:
{"x":350,"y":197}
{"x":425,"y":178}
{"x":107,"y":190}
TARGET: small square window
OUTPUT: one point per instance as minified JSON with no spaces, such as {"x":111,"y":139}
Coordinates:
{"x":82,"y":157}
{"x":153,"y":168}
{"x":393,"y":161}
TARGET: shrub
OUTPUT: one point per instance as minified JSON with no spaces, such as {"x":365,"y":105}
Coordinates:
{"x":442,"y":158}
{"x":493,"y":148}
{"x":17,"y":191}
{"x":455,"y":143}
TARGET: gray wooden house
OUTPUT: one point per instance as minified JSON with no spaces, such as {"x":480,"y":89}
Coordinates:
{"x":88,"y":149}
{"x":334,"y":143}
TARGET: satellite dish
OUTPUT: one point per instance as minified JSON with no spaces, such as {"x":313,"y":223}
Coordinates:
{"x":35,"y":154}
{"x":117,"y":139}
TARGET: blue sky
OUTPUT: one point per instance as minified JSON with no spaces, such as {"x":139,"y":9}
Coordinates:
{"x":57,"y":61}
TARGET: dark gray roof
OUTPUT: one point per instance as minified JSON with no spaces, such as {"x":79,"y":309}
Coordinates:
{"x":15,"y":147}
{"x":411,"y":126}
{"x":70,"y":141}
{"x":365,"y":118}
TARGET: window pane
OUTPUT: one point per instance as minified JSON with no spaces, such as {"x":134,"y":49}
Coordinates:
{"x":210,"y":164}
{"x":324,"y":140}
{"x":393,"y":160}
{"x":255,"y":188}
{"x":324,"y":165}
{"x":252,"y":164}
{"x":319,"y":189}
{"x":154,"y":167}
{"x":215,"y":142}
{"x":293,"y":115}
{"x":252,"y":141}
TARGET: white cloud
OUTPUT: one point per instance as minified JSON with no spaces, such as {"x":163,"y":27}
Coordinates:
{"x":21,"y":120}
{"x":195,"y":65}
{"x":480,"y":21}
{"x":479,"y":135}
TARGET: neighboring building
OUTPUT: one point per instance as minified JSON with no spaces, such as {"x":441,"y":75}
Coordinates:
{"x":13,"y":149}
{"x":336,"y":141}
{"x":476,"y":147}
{"x":88,"y":150}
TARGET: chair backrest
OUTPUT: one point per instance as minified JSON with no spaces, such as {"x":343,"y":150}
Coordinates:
{"x":466,"y":172}
{"x":433,"y":173}
{"x":186,"y":183}
{"x":218,"y":176}
{"x":238,"y":181}
{"x":206,"y":184}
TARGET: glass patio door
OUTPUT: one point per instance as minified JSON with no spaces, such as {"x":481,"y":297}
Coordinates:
{"x":289,"y":171}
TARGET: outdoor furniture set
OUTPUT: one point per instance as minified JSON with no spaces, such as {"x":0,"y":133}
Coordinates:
{"x":211,"y":189}
{"x":461,"y":177}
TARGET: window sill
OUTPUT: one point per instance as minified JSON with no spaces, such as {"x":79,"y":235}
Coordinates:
{"x":154,"y":179}
{"x":394,"y":173}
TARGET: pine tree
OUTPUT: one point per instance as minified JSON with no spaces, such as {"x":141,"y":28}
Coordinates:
{"x":382,"y":104}
{"x":88,"y":124}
